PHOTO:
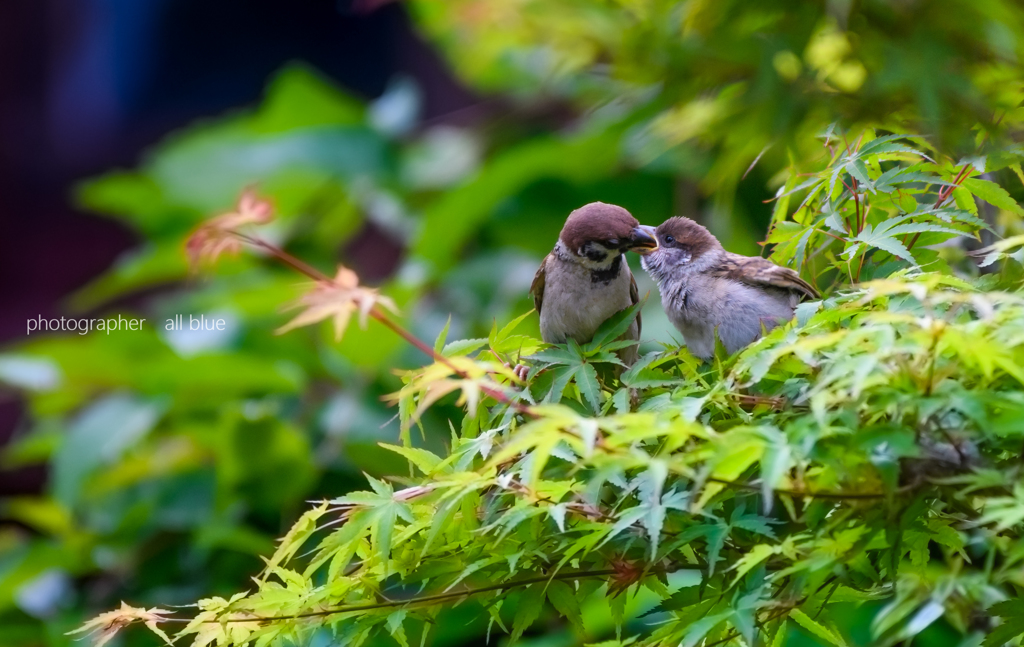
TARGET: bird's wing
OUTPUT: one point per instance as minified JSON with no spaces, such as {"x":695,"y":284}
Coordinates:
{"x":634,"y":298}
{"x":760,"y":272}
{"x":537,"y":287}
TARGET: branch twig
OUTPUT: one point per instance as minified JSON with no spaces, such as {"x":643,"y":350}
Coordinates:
{"x":803,"y":494}
{"x":315,"y":274}
{"x":426,"y":599}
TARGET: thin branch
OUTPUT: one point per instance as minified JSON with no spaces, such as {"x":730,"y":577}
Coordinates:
{"x":315,"y":274}
{"x":756,"y":160}
{"x":944,"y":194}
{"x":427,"y":599}
{"x":776,"y":403}
{"x":931,"y":363}
{"x":860,"y":266}
{"x":852,"y":496}
{"x":283,"y":256}
{"x":856,"y":203}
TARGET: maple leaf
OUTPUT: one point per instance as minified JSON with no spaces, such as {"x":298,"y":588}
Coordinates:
{"x":105,"y":626}
{"x":219,"y":235}
{"x":217,"y":628}
{"x":1012,"y":614}
{"x":338,"y":299}
{"x":426,"y":386}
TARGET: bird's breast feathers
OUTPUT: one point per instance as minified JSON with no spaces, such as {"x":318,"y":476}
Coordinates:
{"x":576,"y":301}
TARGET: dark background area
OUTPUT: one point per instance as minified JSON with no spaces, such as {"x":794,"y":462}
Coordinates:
{"x":87,"y":85}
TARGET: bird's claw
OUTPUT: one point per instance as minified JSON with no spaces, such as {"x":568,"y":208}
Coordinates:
{"x":521,"y":371}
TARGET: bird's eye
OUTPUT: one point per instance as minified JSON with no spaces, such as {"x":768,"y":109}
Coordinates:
{"x":614,"y":242}
{"x":670,"y":239}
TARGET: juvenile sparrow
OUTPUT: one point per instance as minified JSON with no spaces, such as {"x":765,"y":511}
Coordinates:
{"x":585,"y":279}
{"x":705,"y":288}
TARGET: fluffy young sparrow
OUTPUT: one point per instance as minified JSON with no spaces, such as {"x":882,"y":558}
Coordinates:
{"x":585,"y":279}
{"x":705,"y":288}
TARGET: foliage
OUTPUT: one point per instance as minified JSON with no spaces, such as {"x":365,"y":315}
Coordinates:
{"x":881,"y":198}
{"x":176,"y":456}
{"x":851,"y":479}
{"x":707,"y":86}
{"x":867,"y":452}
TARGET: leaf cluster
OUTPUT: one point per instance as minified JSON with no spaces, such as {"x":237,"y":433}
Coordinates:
{"x":866,"y":455}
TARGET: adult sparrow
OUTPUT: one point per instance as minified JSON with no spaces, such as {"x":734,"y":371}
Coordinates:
{"x":705,"y":288}
{"x":585,"y":280}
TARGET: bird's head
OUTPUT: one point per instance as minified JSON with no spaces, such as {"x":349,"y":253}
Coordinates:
{"x":682,"y":245}
{"x":598,"y":233}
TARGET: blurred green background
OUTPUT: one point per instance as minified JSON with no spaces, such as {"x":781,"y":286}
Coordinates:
{"x":174,"y":458}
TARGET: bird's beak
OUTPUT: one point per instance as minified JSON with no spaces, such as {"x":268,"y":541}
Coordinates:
{"x":644,"y":240}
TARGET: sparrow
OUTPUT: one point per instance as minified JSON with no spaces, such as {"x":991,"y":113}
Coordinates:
{"x":585,"y":279}
{"x":705,"y":289}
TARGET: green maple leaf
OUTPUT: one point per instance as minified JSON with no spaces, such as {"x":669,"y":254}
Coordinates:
{"x":1012,"y":613}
